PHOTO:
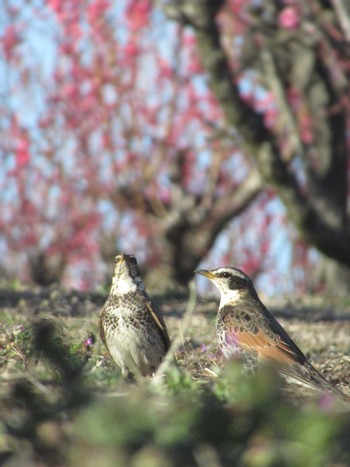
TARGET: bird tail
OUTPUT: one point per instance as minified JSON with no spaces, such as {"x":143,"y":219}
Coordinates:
{"x":317,"y":381}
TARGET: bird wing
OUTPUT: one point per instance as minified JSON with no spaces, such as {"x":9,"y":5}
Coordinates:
{"x":269,"y":348}
{"x":102,"y":330}
{"x":275,"y":352}
{"x":160,"y":324}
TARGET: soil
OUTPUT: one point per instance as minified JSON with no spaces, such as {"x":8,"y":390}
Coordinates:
{"x":321,"y":328}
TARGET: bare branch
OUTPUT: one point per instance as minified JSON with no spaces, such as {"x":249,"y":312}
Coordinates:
{"x":201,"y":15}
{"x":343,"y":17}
{"x":286,"y":123}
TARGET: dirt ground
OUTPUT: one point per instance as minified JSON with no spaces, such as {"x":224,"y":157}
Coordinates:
{"x":321,"y":328}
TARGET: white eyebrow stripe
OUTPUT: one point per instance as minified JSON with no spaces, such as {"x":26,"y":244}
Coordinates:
{"x":234,"y":272}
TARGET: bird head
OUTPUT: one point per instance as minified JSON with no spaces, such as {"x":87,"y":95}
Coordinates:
{"x":232,"y":283}
{"x":126,"y":278}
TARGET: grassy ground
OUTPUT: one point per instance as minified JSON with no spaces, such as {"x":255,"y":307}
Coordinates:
{"x":63,"y":402}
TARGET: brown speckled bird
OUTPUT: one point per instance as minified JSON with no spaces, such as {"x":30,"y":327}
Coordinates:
{"x":246,"y":328}
{"x":133,"y":332}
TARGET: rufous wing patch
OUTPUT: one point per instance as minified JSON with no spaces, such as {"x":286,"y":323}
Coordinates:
{"x":263,"y":346}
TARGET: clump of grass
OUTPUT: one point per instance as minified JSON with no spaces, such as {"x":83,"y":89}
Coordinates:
{"x":15,"y":345}
{"x":236,"y":420}
{"x":33,"y":410}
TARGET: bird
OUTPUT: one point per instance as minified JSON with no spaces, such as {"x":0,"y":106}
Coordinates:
{"x":131,"y":328}
{"x":247,"y":330}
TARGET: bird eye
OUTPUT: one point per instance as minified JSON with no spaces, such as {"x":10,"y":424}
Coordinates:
{"x":226,"y":275}
{"x":133,"y":259}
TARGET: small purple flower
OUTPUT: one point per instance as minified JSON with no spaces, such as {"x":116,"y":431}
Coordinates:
{"x":89,"y":341}
{"x":20,"y":328}
{"x":326,"y":402}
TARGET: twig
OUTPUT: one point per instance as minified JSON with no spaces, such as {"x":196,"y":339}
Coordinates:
{"x":191,"y":305}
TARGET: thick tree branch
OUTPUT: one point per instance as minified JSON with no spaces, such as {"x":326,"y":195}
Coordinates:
{"x":343,"y":15}
{"x":287,"y":123}
{"x":331,"y":241}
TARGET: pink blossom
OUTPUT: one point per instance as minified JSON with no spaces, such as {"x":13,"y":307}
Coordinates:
{"x":165,"y":70}
{"x":270,"y":117}
{"x":164,"y":195}
{"x":237,"y":6}
{"x":131,"y":49}
{"x":75,"y":30}
{"x":97,"y":9}
{"x":69,"y":91}
{"x":137,"y":14}
{"x":56,"y":5}
{"x":9,"y":40}
{"x":189,"y":40}
{"x":306,"y":130}
{"x":195,"y":66}
{"x":289,"y":18}
{"x":107,"y":142}
{"x":22,"y":153}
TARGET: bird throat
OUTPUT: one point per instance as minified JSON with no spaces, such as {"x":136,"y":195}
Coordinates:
{"x":123,"y":286}
{"x":230,"y":297}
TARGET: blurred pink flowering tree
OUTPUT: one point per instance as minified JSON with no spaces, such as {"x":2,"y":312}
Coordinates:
{"x":112,"y":138}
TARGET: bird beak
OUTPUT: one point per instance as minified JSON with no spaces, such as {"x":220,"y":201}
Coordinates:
{"x":119,"y":259}
{"x":204,"y":272}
